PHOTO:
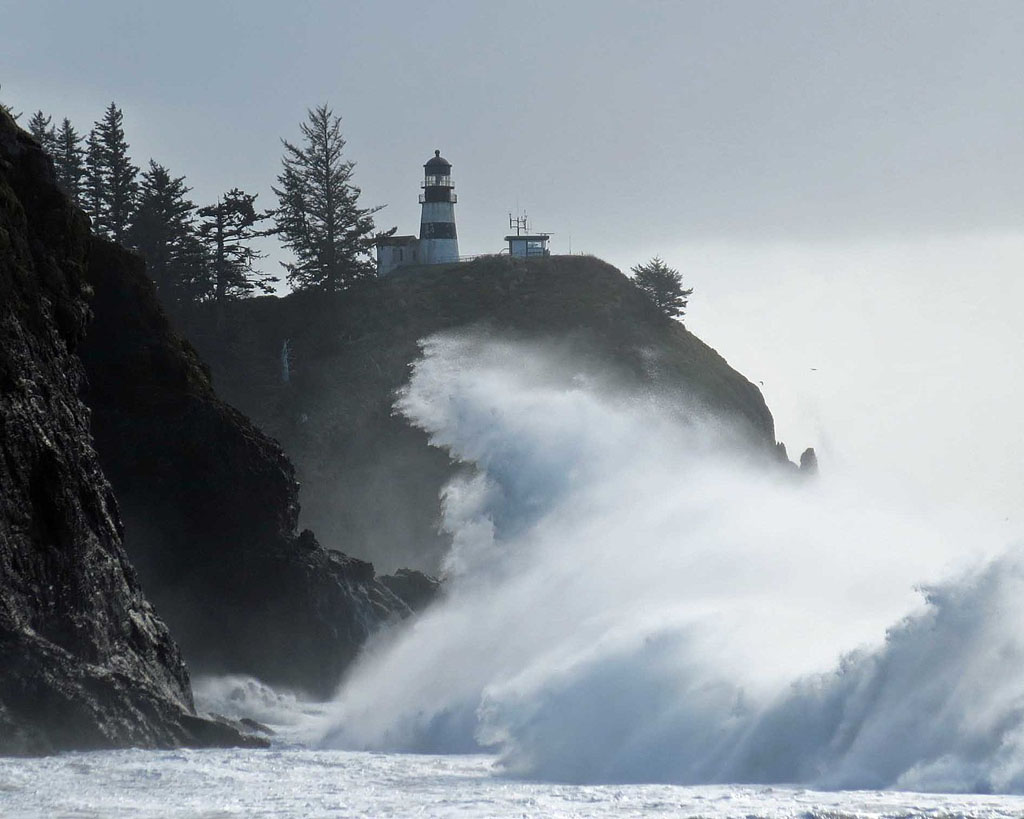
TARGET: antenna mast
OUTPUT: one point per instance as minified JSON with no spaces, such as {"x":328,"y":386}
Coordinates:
{"x":519,"y":223}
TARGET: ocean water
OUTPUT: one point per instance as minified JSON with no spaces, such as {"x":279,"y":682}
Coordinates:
{"x":636,"y":615}
{"x":305,"y":784}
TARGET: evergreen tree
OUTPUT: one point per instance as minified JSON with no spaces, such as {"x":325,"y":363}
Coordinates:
{"x":663,"y":285}
{"x":69,"y":161}
{"x":162,"y":231}
{"x":194,"y":268}
{"x":41,"y":127}
{"x":9,"y":111}
{"x":112,"y":185}
{"x":93,"y":192}
{"x":226,"y":230}
{"x":319,"y":218}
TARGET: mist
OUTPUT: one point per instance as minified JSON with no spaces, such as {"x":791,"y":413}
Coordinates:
{"x":632,"y":596}
{"x":896,"y":358}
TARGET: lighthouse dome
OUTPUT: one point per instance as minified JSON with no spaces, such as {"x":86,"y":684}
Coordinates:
{"x":437,"y":165}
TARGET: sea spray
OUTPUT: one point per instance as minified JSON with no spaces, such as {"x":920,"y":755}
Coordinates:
{"x":634,"y":596}
{"x":292,"y":718}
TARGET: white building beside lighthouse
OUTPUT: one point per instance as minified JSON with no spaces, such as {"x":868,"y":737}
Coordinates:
{"x":438,"y":242}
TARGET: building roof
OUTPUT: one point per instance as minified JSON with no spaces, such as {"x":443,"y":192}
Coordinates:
{"x":396,"y":240}
{"x":437,"y":163}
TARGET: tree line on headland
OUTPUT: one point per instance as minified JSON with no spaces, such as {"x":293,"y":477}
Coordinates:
{"x":205,"y":253}
{"x":198,"y":253}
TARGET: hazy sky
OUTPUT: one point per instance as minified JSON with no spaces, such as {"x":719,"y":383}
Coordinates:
{"x":842,"y":182}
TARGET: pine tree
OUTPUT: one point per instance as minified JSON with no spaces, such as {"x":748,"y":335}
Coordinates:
{"x":69,"y":161}
{"x":319,"y":218}
{"x":226,"y":230}
{"x":93,"y":192}
{"x":112,"y":186}
{"x":162,"y":231}
{"x":9,"y":111}
{"x":194,"y":269}
{"x":663,"y":285}
{"x":41,"y":127}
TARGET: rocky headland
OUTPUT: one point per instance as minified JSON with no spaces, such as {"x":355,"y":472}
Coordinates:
{"x":85,"y":660}
{"x":148,"y":527}
{"x":199,"y":514}
{"x":210,"y":504}
{"x":319,"y":372}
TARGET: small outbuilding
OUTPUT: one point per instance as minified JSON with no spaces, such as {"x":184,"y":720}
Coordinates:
{"x":522,"y":243}
{"x":396,"y":251}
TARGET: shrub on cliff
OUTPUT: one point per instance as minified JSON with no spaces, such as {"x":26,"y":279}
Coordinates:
{"x":663,"y":285}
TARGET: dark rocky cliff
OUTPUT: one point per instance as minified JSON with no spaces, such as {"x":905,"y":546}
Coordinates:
{"x":210,"y":504}
{"x":85,"y":662}
{"x":369,"y":479}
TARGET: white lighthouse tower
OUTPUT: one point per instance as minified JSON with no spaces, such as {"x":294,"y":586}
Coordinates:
{"x":439,"y":243}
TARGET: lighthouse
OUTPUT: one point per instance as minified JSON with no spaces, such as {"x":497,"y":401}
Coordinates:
{"x":439,"y":243}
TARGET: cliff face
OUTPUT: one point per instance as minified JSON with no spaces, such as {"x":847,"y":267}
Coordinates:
{"x":210,"y":504}
{"x":369,"y":480}
{"x":85,"y":662}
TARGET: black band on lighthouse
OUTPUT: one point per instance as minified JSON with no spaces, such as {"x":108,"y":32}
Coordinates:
{"x":438,"y":230}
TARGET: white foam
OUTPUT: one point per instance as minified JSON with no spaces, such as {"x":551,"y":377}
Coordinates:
{"x":302,"y":784}
{"x":633,"y":599}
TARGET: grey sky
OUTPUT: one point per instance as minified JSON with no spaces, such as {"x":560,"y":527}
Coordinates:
{"x":773,"y":150}
{"x":621,"y":122}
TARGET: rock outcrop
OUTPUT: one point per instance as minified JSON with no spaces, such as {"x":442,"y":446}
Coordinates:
{"x":416,"y":590}
{"x":210,"y":504}
{"x":809,"y":462}
{"x":369,"y":479}
{"x":85,"y":662}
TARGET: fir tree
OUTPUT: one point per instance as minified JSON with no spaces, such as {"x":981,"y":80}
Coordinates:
{"x":9,"y":111}
{"x":69,"y":161}
{"x":663,"y":286}
{"x":226,"y":230}
{"x":41,"y":127}
{"x":93,"y":191}
{"x":112,"y":186}
{"x":162,"y":231}
{"x":319,"y":218}
{"x":194,"y":269}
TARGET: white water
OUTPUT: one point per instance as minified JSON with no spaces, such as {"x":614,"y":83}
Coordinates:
{"x":633,"y":600}
{"x":304,"y":784}
{"x":630,"y":601}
